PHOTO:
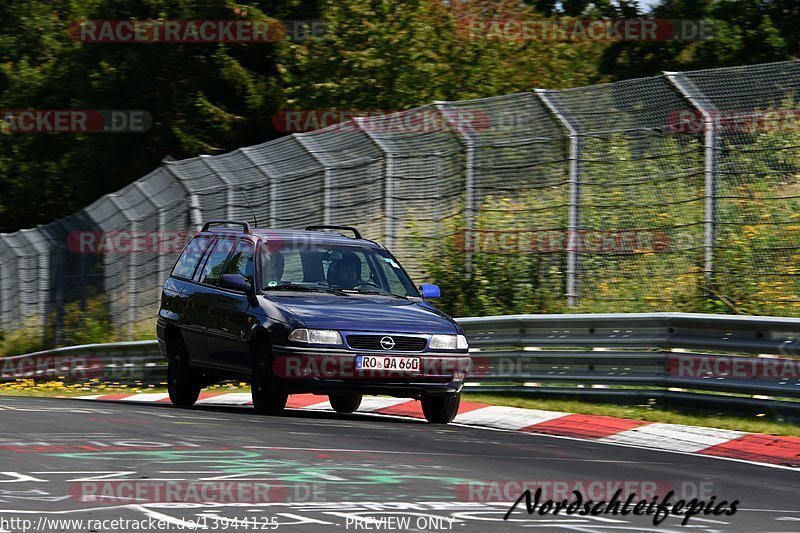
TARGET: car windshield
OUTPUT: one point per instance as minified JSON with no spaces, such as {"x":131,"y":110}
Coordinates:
{"x":332,"y":268}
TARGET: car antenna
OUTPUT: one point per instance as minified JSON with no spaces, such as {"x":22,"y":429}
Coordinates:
{"x":250,"y":208}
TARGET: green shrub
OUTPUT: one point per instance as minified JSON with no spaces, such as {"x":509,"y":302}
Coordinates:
{"x":87,"y":326}
{"x":27,"y":339}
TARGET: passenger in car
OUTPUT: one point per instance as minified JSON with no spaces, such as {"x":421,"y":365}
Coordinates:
{"x":345,"y":272}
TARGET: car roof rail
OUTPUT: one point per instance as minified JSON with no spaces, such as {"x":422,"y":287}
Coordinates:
{"x":245,"y":226}
{"x":345,"y":228}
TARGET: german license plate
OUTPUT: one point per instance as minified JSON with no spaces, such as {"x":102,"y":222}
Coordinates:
{"x":380,"y":362}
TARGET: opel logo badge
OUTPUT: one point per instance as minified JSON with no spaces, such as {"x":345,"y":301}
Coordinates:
{"x":387,"y":343}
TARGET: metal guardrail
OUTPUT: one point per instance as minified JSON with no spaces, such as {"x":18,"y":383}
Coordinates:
{"x":721,"y":360}
{"x":123,"y":363}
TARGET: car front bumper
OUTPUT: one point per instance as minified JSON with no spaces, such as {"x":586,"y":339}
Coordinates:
{"x":325,"y":370}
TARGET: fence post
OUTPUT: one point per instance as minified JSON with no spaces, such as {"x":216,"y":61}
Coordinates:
{"x":390,"y":226}
{"x":463,"y":127}
{"x":469,"y":208}
{"x":326,"y":179}
{"x":4,"y":274}
{"x":195,"y":211}
{"x":60,"y":283}
{"x":82,"y":280}
{"x":270,"y":183}
{"x":574,"y":183}
{"x":44,"y":278}
{"x":698,"y":101}
{"x":231,"y":191}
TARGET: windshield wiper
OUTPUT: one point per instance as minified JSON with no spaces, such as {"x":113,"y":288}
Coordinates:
{"x":367,"y":291}
{"x":293,"y":287}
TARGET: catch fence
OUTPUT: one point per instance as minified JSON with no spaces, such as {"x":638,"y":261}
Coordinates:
{"x":641,"y":195}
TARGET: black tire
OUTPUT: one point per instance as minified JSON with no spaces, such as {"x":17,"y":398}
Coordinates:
{"x":182,"y":383}
{"x":441,"y":409}
{"x":269,"y":394}
{"x":345,"y":404}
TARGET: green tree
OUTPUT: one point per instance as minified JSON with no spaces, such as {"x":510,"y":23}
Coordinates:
{"x":743,"y":32}
{"x":384,"y":54}
{"x":203,"y":98}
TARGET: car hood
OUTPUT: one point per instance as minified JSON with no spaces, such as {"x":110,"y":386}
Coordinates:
{"x":365,"y":313}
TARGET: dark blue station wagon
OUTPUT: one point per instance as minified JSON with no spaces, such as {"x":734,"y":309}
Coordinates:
{"x":306,"y":312}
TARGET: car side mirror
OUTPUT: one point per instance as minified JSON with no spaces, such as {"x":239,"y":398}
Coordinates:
{"x":236,"y":282}
{"x":429,"y":290}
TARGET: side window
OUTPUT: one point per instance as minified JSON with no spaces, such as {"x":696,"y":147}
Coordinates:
{"x":212,"y":270}
{"x":191,"y":255}
{"x":392,"y":272}
{"x":242,"y":261}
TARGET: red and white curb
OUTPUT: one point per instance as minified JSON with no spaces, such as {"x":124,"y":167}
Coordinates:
{"x":750,"y":447}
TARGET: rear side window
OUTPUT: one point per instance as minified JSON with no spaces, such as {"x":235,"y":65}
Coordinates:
{"x":191,"y":255}
{"x":215,"y":263}
{"x":242,"y":261}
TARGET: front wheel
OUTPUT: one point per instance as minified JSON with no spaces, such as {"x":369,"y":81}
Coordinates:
{"x":269,"y":394}
{"x":345,"y":403}
{"x":441,"y":409}
{"x":182,"y":384}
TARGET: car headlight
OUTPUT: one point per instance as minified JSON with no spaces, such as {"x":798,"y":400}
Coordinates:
{"x":462,"y":343}
{"x":316,"y":336}
{"x":448,"y":342}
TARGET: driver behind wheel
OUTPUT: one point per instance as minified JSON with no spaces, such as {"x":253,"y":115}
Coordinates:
{"x":345,"y":272}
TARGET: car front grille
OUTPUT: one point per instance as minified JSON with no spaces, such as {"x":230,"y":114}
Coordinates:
{"x":373,"y":342}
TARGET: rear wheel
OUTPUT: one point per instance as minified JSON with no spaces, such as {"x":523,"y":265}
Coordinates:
{"x":345,"y":403}
{"x":182,"y":383}
{"x":440,"y":409}
{"x":269,"y":394}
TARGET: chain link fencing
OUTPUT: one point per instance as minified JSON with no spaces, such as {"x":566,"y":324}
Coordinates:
{"x":678,"y":192}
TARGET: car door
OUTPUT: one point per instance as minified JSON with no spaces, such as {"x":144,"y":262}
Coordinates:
{"x":229,"y":314}
{"x":207,"y":281}
{"x":192,"y":320}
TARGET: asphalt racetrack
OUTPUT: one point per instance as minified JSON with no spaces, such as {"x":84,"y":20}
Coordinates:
{"x":339,"y":473}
